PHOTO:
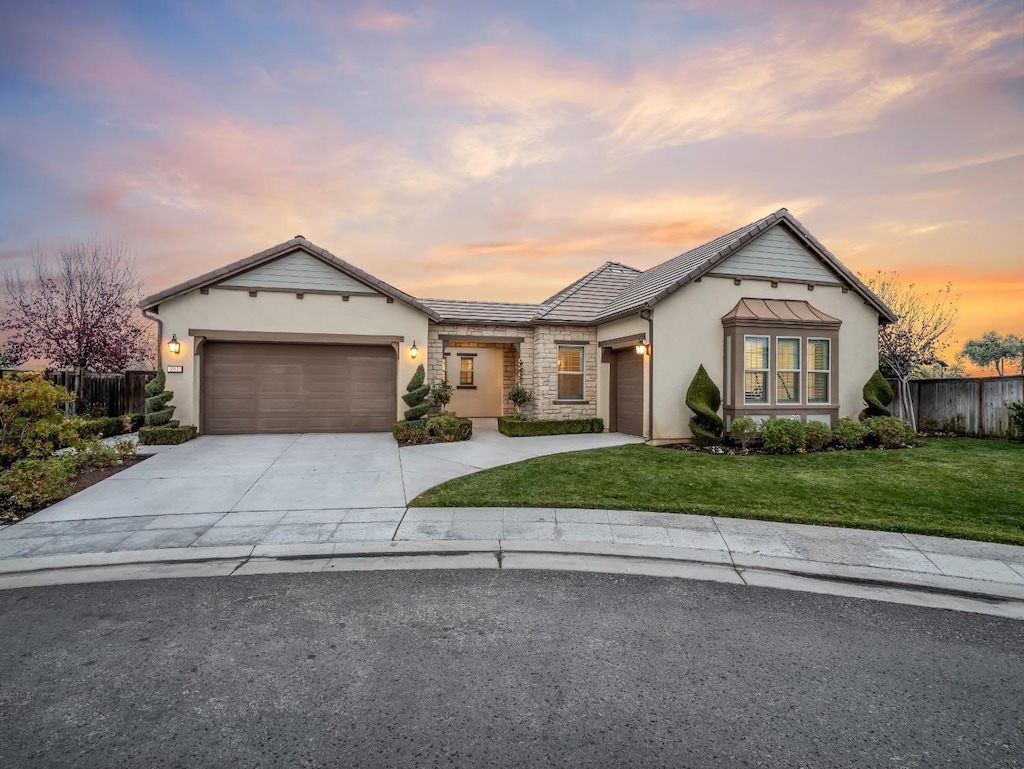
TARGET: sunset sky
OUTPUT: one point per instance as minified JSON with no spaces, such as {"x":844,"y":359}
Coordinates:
{"x":498,"y":150}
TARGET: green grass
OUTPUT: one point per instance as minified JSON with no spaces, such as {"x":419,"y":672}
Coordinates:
{"x":959,"y":487}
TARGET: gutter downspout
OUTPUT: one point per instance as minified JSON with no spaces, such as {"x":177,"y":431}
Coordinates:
{"x":159,"y":336}
{"x":648,"y":314}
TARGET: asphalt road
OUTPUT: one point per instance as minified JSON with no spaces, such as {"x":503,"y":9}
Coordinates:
{"x":498,"y":669}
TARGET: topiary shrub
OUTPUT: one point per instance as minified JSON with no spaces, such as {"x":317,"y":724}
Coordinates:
{"x":519,"y":396}
{"x":158,"y":410}
{"x":448,"y":428}
{"x":743,"y":431}
{"x":703,"y":398}
{"x":817,"y":436}
{"x":848,"y":434}
{"x":416,"y":393}
{"x":878,"y":396}
{"x":889,"y":432}
{"x":782,"y":436}
{"x":134,"y":422}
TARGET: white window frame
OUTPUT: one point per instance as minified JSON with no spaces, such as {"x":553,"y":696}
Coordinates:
{"x":581,"y":372}
{"x":766,"y":371}
{"x":798,"y":370}
{"x":827,"y":371}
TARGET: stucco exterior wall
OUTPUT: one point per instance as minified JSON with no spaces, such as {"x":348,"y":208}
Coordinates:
{"x":689,"y":332}
{"x":275,"y":311}
{"x":479,"y":335}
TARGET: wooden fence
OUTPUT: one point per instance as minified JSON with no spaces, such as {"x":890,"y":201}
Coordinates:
{"x":968,"y":406}
{"x":105,"y":394}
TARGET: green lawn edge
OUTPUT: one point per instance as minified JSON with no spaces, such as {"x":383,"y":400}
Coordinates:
{"x":965,"y":488}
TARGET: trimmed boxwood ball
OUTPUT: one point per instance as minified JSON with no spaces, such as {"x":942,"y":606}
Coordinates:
{"x":877,"y":396}
{"x":416,"y":393}
{"x":704,"y":398}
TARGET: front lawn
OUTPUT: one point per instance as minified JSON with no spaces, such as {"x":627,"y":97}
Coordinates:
{"x":949,"y":487}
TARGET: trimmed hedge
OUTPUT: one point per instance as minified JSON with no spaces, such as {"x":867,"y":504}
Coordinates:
{"x":166,"y":436}
{"x":522,"y":428}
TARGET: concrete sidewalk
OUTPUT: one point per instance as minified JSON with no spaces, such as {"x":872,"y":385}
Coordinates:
{"x":929,"y":571}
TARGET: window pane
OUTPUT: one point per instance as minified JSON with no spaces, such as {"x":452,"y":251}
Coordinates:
{"x":754,"y":386}
{"x":788,"y":354}
{"x":817,"y":388}
{"x":570,"y":386}
{"x":788,"y":387}
{"x":755,"y":352}
{"x":570,"y":359}
{"x":465,"y":371}
{"x":817,"y":355}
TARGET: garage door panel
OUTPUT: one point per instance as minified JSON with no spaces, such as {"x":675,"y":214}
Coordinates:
{"x":629,"y":392}
{"x":279,"y":388}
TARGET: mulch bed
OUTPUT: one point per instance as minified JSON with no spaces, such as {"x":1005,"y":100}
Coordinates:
{"x":82,"y":481}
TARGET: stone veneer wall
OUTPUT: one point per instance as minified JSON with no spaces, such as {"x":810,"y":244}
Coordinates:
{"x":539,"y":352}
{"x":545,"y":372}
{"x":435,"y":351}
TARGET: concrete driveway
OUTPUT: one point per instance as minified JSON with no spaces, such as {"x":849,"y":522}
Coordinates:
{"x":251,"y":477}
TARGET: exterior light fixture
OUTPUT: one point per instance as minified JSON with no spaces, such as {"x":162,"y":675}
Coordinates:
{"x":641,"y":347}
{"x":414,"y":350}
{"x":174,"y":345}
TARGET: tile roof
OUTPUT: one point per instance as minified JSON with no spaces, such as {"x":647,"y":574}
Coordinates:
{"x":664,"y":279}
{"x":500,"y":313}
{"x":268,"y":255}
{"x":583,"y":300}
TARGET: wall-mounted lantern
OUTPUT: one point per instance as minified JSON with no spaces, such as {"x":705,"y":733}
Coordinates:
{"x":414,"y":350}
{"x":642,"y":347}
{"x":174,"y":345}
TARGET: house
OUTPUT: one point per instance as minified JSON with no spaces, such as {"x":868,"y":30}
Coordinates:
{"x":294,"y":339}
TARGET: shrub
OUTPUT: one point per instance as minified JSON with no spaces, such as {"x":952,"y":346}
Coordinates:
{"x":449,"y":428}
{"x":416,"y":393}
{"x":878,"y":396}
{"x":410,"y":433}
{"x":782,"y":436}
{"x":101,"y":427}
{"x":889,"y":432}
{"x":848,"y":434}
{"x":166,"y":435}
{"x":520,"y":396}
{"x":703,"y":398}
{"x":441,"y":394}
{"x":158,"y":408}
{"x":33,"y":483}
{"x":522,"y":428}
{"x":134,"y":422}
{"x":743,"y":431}
{"x":126,"y":450}
{"x":31,"y":425}
{"x":817,"y":435}
{"x":1017,"y":420}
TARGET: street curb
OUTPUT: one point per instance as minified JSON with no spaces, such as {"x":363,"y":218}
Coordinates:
{"x":716,"y":565}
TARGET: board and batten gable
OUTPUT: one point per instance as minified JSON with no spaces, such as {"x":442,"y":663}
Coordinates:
{"x":689,"y":333}
{"x":280,"y":310}
{"x":296,"y":271}
{"x":776,"y":255}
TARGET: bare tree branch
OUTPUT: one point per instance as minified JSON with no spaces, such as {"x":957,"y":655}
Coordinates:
{"x":917,"y":338}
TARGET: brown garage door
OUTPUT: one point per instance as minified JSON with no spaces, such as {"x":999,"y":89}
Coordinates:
{"x":629,"y":392}
{"x":293,"y":388}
